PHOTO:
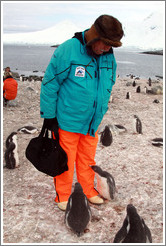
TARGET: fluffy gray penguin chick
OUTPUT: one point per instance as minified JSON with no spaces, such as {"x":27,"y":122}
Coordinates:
{"x":105,"y":183}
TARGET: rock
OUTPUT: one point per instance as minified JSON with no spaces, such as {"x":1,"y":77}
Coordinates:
{"x":157,"y":90}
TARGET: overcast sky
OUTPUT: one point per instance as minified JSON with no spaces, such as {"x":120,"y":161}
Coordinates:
{"x":26,"y":16}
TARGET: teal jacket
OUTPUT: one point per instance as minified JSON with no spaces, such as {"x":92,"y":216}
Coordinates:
{"x":77,"y":86}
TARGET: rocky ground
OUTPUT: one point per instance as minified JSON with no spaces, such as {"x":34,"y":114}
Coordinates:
{"x":30,"y":214}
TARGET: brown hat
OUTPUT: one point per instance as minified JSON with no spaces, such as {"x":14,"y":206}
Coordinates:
{"x":106,"y":28}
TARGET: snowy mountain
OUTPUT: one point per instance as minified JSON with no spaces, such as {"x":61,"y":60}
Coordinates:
{"x":52,"y":36}
{"x":146,"y":34}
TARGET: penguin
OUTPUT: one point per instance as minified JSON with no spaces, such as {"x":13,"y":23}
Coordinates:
{"x":28,"y":130}
{"x":145,"y":89}
{"x":105,"y":183}
{"x":78,"y":212}
{"x":134,"y":229}
{"x":156,"y":101}
{"x":150,"y":82}
{"x":121,"y":128}
{"x":11,"y":153}
{"x":157,"y":142}
{"x":137,"y":125}
{"x":106,"y":137}
{"x":138,"y":90}
{"x":128,"y":95}
{"x":134,"y":83}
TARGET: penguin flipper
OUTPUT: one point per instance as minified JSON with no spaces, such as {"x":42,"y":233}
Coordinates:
{"x":111,"y":185}
{"x":122,"y":233}
{"x":88,"y":207}
{"x":147,"y":232}
{"x":69,"y":204}
{"x":7,"y":156}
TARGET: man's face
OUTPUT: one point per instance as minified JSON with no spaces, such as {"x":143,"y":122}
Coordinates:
{"x":99,"y":47}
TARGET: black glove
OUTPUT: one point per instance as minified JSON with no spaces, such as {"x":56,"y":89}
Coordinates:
{"x":52,"y":125}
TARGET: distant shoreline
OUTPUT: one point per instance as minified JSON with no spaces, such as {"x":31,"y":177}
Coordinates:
{"x":154,"y":52}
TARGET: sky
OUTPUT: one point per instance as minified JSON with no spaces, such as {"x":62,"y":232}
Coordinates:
{"x":28,"y":16}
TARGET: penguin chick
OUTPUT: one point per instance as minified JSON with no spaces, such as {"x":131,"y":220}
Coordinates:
{"x":137,"y":125}
{"x":28,"y":130}
{"x":134,"y":229}
{"x":106,"y":137}
{"x":105,"y":183}
{"x":78,"y":213}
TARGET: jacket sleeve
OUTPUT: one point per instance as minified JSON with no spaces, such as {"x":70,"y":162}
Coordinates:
{"x":56,"y":73}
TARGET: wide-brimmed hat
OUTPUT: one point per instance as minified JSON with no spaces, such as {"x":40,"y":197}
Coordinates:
{"x":106,"y":28}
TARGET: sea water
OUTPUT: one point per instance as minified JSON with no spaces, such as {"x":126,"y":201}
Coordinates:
{"x":27,"y":59}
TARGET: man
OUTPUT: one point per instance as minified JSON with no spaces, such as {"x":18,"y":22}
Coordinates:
{"x":74,"y":97}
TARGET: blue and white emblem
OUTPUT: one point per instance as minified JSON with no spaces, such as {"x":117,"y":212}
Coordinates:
{"x":80,"y":72}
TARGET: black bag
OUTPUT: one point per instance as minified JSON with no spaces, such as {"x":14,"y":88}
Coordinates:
{"x":46,"y":154}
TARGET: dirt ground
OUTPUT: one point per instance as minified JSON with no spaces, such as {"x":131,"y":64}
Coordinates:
{"x":30,"y":214}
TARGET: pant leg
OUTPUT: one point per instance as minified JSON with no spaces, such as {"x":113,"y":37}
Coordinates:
{"x":85,"y":156}
{"x":63,"y":182}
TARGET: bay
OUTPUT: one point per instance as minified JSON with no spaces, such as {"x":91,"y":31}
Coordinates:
{"x":26,"y":59}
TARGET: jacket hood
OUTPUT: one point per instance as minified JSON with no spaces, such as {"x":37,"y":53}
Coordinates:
{"x":79,"y":36}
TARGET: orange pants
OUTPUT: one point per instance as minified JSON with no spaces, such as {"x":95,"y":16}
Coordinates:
{"x":81,"y":150}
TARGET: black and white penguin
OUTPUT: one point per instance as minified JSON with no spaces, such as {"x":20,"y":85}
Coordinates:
{"x":106,"y":137}
{"x":78,"y":212}
{"x":11,"y":153}
{"x":157,"y":142}
{"x":128,"y":95}
{"x":121,"y":128}
{"x":145,"y":89}
{"x":150,"y":82}
{"x":28,"y":130}
{"x":105,"y":183}
{"x":138,"y":90}
{"x":134,"y":229}
{"x":156,"y":101}
{"x":137,"y":125}
{"x":134,"y":83}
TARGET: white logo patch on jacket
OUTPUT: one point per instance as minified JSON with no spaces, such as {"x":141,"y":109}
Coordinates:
{"x":80,"y":72}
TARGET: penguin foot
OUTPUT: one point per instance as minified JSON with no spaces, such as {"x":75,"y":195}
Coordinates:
{"x":96,"y":200}
{"x":62,"y":205}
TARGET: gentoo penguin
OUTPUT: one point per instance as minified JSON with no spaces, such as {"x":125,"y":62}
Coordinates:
{"x":137,"y":125}
{"x":78,"y":212}
{"x":145,"y":89}
{"x":106,"y":137}
{"x":105,"y":183}
{"x":128,"y":95}
{"x":28,"y":130}
{"x":134,"y":83}
{"x":157,"y":142}
{"x":138,"y":90}
{"x":11,"y":153}
{"x":121,"y":128}
{"x":150,"y":82}
{"x":134,"y":229}
{"x":156,"y":101}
